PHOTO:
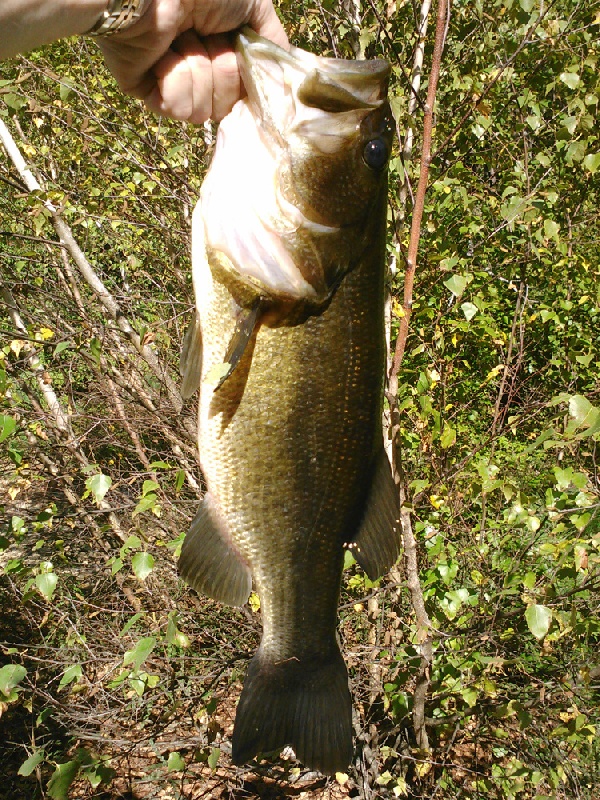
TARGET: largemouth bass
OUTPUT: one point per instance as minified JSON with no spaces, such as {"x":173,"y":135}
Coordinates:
{"x":288,"y":350}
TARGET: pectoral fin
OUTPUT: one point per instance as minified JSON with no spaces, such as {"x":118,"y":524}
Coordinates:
{"x":376,"y":546}
{"x":244,"y":328}
{"x":190,"y":365}
{"x":209,"y":561}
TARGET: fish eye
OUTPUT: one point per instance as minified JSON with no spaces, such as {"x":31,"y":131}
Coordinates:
{"x":376,"y":153}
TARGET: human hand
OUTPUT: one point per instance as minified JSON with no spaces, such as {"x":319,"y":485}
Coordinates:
{"x":179,"y":59}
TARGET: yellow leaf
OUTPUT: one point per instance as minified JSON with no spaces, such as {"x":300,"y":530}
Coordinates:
{"x":397,"y":309}
{"x":423,"y":768}
{"x":16,"y":346}
{"x":436,"y":501}
{"x":493,"y":373}
{"x":254,"y":602}
{"x":46,"y":333}
{"x":341,"y":778}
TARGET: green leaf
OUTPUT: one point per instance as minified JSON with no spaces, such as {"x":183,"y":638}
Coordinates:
{"x":174,"y":635}
{"x":7,"y":426}
{"x":66,"y":87}
{"x":448,"y":437}
{"x":470,"y":695}
{"x":419,"y":484}
{"x":14,"y":101}
{"x":551,"y":228}
{"x":131,"y":543}
{"x":34,"y":760}
{"x":592,"y":161}
{"x":98,"y":485}
{"x":457,"y":283}
{"x":138,"y":686}
{"x":179,"y":480}
{"x":214,"y":756}
{"x":570,"y":79}
{"x":140,"y":652}
{"x":142,"y":565}
{"x":61,"y":780}
{"x":538,"y":619}
{"x":149,"y":486}
{"x":46,"y":583}
{"x":469,"y":310}
{"x":60,"y":347}
{"x":584,"y":414}
{"x":99,"y":773}
{"x":71,"y":674}
{"x":130,"y":623}
{"x":116,"y":565}
{"x":95,"y":349}
{"x":175,"y":762}
{"x":11,"y":676}
{"x":145,"y":504}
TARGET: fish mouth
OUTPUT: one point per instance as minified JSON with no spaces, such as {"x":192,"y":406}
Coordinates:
{"x":289,"y":90}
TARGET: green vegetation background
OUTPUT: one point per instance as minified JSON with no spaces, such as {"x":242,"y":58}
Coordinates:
{"x":116,"y":681}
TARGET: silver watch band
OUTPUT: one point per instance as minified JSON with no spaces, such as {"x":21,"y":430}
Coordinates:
{"x":118,"y":16}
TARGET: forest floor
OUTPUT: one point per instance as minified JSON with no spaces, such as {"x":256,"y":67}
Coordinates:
{"x":112,"y":720}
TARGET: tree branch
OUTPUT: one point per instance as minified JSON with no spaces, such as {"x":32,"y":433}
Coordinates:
{"x":423,"y":623}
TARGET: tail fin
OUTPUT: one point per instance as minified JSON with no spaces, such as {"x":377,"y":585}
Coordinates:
{"x":302,"y":703}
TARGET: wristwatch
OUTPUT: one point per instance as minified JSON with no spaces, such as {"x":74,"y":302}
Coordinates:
{"x":118,"y":16}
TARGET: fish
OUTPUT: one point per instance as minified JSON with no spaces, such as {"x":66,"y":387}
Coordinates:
{"x":287,"y":347}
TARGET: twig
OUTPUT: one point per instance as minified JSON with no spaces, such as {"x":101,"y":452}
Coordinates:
{"x":417,"y":216}
{"x":415,"y":83}
{"x":423,"y":623}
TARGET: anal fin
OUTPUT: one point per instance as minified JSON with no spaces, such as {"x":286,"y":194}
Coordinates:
{"x":377,"y":544}
{"x":209,"y":561}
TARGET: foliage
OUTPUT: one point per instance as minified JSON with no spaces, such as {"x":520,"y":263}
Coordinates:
{"x":111,"y":667}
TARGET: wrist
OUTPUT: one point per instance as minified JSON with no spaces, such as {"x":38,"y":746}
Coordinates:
{"x":119,"y":15}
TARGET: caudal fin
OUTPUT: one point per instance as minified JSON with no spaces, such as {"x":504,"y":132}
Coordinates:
{"x":302,"y":703}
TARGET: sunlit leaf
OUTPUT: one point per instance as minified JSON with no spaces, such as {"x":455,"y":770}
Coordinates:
{"x":7,"y":426}
{"x":213,"y":758}
{"x":457,"y":284}
{"x":11,"y":676}
{"x":140,"y":652}
{"x":592,"y":161}
{"x":469,"y":310}
{"x":71,"y":674}
{"x":46,"y":583}
{"x":538,"y":619}
{"x":98,"y":485}
{"x":570,"y":79}
{"x":142,"y":565}
{"x":175,"y":762}
{"x":61,"y":780}
{"x":29,"y":765}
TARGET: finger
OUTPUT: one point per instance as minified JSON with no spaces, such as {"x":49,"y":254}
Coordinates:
{"x":225,"y":75}
{"x":183,"y":81}
{"x":265,"y":22}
